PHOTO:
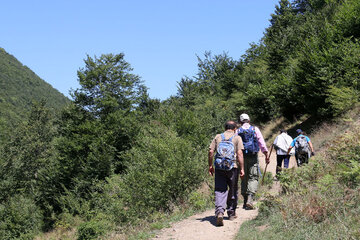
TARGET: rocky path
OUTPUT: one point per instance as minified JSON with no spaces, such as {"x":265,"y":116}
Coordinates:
{"x":203,"y":225}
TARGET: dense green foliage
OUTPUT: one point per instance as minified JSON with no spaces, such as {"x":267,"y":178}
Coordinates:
{"x":19,"y":87}
{"x":27,"y":176}
{"x":115,"y":158}
{"x":305,"y":55}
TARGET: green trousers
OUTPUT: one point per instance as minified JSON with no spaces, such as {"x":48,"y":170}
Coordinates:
{"x":249,"y":184}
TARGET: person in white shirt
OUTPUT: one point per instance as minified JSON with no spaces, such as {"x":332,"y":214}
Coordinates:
{"x":281,"y":145}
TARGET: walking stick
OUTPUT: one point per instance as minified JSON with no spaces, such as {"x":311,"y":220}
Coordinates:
{"x":262,"y":181}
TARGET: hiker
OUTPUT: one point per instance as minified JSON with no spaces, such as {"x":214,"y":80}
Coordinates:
{"x":281,"y":145}
{"x":228,"y":164}
{"x":303,"y":148}
{"x":253,"y":142}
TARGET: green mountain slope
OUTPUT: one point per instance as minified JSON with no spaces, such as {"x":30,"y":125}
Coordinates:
{"x":19,"y":87}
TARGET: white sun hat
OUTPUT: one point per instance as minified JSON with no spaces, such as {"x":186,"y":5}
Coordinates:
{"x":244,"y":117}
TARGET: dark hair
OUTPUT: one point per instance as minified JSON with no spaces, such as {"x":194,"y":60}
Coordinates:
{"x":230,"y":125}
{"x":282,"y":131}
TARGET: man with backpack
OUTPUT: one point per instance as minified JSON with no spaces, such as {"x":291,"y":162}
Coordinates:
{"x":253,"y":142}
{"x":303,"y":148}
{"x":228,"y":164}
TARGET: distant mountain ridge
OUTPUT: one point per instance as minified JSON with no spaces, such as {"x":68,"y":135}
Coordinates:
{"x":19,"y":87}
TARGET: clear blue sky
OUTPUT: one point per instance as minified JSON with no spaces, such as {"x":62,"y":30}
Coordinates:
{"x":160,"y":38}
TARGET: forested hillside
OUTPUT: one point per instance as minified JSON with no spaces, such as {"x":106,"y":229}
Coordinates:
{"x":19,"y":87}
{"x":115,"y":159}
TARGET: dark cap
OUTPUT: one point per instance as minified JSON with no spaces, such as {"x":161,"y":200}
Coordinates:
{"x":299,"y":131}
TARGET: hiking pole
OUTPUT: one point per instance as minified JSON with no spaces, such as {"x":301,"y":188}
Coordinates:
{"x":262,"y":181}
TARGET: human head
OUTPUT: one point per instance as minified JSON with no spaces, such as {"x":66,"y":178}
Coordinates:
{"x":230,"y":125}
{"x":299,"y":131}
{"x":282,"y":131}
{"x":244,"y":118}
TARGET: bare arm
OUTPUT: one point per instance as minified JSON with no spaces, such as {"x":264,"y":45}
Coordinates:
{"x":288,"y":151}
{"x":210,"y":162}
{"x":311,"y":146}
{"x":240,"y":159}
{"x":267,"y":159}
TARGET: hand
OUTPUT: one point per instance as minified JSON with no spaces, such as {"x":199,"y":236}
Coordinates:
{"x":312,"y":153}
{"x":242,"y":173}
{"x":267,"y":160}
{"x":211,"y":170}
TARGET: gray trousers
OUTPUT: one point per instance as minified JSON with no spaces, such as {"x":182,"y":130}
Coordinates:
{"x":249,"y":184}
{"x":226,"y":184}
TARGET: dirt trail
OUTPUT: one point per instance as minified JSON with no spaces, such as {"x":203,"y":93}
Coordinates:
{"x":203,"y":225}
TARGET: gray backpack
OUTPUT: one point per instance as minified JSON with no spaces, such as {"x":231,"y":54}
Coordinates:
{"x":301,"y":145}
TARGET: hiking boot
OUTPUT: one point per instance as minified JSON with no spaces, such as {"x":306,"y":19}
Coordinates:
{"x":219,"y":219}
{"x":250,"y":202}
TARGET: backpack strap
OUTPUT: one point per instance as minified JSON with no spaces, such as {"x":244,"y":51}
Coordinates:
{"x":223,"y":137}
{"x":252,"y":128}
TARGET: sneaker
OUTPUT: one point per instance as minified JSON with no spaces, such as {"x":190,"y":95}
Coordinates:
{"x":219,"y":219}
{"x":250,"y":202}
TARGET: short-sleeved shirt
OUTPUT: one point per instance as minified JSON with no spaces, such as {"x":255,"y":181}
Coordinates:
{"x":236,"y":140}
{"x":293,"y":142}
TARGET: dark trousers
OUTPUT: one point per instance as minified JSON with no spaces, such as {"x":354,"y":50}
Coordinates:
{"x":226,"y":184}
{"x":302,"y":158}
{"x":280,"y":159}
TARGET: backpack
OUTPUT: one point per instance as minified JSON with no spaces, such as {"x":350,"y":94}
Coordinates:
{"x":301,"y":145}
{"x":249,"y":139}
{"x":225,"y":154}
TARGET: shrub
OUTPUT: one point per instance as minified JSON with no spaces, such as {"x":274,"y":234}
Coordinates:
{"x":162,"y":168}
{"x":20,"y":218}
{"x":350,"y":173}
{"x":198,"y":201}
{"x":341,"y":99}
{"x":346,"y":151}
{"x":93,"y":229}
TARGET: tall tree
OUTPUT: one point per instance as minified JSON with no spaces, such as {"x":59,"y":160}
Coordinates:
{"x":107,"y":86}
{"x":101,"y":123}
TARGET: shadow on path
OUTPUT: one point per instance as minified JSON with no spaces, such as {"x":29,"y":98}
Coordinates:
{"x":211,"y":219}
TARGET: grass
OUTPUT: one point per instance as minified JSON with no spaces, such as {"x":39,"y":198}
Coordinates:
{"x":322,"y":199}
